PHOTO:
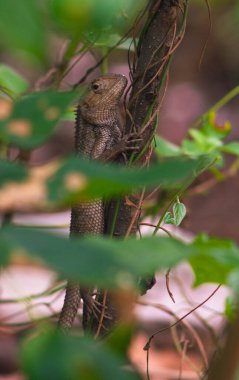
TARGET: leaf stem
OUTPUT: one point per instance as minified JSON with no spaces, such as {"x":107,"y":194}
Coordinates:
{"x":217,"y":106}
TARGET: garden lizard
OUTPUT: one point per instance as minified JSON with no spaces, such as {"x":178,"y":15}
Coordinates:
{"x":98,"y":136}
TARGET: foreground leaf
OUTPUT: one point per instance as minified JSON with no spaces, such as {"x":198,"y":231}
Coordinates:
{"x":12,"y":172}
{"x":107,"y":262}
{"x":34,"y":118}
{"x":60,"y":184}
{"x":165,"y":148}
{"x":54,"y":355}
{"x":214,"y":260}
{"x":232,"y":148}
{"x":117,"y":263}
{"x":108,"y":180}
{"x":23,"y":29}
{"x":11,"y":81}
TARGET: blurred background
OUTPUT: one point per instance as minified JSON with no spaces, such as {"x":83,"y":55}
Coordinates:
{"x":194,"y":86}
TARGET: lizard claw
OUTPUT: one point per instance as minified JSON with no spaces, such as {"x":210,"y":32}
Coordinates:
{"x":131,"y":142}
{"x":132,"y":137}
{"x":133,"y":147}
{"x":91,"y":307}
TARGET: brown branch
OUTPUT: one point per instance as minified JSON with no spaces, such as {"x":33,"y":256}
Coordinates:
{"x":225,"y":366}
{"x":157,"y":40}
{"x":149,"y":70}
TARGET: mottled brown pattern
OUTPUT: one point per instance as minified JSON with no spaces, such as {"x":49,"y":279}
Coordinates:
{"x":97,"y":130}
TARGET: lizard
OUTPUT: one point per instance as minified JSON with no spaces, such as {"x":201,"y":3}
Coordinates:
{"x":98,"y":136}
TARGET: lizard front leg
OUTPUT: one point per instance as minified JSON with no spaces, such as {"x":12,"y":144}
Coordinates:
{"x":127,"y":143}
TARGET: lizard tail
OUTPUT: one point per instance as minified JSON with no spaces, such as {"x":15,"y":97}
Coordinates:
{"x":71,"y":305}
{"x":86,"y":218}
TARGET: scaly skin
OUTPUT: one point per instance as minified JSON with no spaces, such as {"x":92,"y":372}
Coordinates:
{"x":97,"y":133}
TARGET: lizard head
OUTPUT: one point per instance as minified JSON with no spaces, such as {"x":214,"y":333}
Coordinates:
{"x":107,"y":90}
{"x":103,"y":96}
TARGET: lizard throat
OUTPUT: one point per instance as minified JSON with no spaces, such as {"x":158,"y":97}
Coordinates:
{"x":101,"y":116}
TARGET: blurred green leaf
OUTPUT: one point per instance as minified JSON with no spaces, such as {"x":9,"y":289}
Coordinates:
{"x":232,"y":148}
{"x":52,"y":355}
{"x":12,"y":172}
{"x":69,"y":115}
{"x":5,"y":252}
{"x":65,"y":182}
{"x":211,"y":128}
{"x":119,"y":339}
{"x":34,"y":118}
{"x":107,"y":262}
{"x":23,"y":29}
{"x":115,"y":263}
{"x":75,"y":17}
{"x":231,"y":308}
{"x":197,"y":136}
{"x":191,"y":148}
{"x":11,"y":81}
{"x":166,"y":149}
{"x":202,"y":143}
{"x":207,"y":139}
{"x":108,"y":180}
{"x":214,"y":259}
{"x":109,"y":40}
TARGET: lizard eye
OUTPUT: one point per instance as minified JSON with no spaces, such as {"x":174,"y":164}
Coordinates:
{"x":95,"y":86}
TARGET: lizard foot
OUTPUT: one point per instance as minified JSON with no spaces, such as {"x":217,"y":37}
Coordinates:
{"x":91,"y":307}
{"x":128,"y":142}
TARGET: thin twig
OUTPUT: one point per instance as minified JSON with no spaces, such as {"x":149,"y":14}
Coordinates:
{"x":147,"y":345}
{"x":168,"y":286}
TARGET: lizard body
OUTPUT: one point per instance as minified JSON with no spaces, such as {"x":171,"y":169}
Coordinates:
{"x":97,"y":132}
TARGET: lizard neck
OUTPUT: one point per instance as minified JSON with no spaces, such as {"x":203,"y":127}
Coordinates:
{"x":101,"y":116}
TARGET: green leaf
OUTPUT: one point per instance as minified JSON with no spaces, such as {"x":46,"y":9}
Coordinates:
{"x":107,"y":262}
{"x":110,"y":40}
{"x":12,"y":172}
{"x":108,"y":180}
{"x":64,"y":183}
{"x":197,"y":136}
{"x":69,"y":115}
{"x":168,"y":218}
{"x":11,"y":81}
{"x":212,"y":129}
{"x":23,"y":29}
{"x":115,"y":263}
{"x":34,"y":118}
{"x":179,"y":212}
{"x":194,"y":148}
{"x":231,"y":308}
{"x":165,"y":149}
{"x":69,"y":182}
{"x":77,"y":18}
{"x":214,"y":260}
{"x":5,"y":252}
{"x":119,"y":339}
{"x":232,"y":148}
{"x":191,"y":148}
{"x":52,"y":355}
{"x":201,"y":143}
